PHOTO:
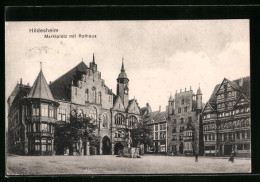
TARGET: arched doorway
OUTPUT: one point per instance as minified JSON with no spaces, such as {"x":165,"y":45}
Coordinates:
{"x":118,"y":146}
{"x":105,"y":145}
{"x":181,"y":148}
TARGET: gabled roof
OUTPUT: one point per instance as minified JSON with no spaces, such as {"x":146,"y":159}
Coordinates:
{"x":207,"y":104}
{"x":242,"y":95}
{"x":61,"y":88}
{"x":40,"y":89}
{"x":245,"y":89}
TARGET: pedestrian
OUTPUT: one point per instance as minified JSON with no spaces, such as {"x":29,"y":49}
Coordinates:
{"x":196,"y":157}
{"x":231,"y":158}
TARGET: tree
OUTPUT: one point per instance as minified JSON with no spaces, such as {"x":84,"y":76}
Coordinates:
{"x":141,"y":134}
{"x":79,"y":128}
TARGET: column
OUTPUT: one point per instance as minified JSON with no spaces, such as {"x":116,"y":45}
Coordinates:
{"x":81,"y":151}
{"x":100,"y":147}
{"x":52,"y":146}
{"x":112,"y":148}
{"x":87,"y":148}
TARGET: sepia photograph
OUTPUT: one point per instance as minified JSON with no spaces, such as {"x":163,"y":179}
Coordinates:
{"x":127,"y":97}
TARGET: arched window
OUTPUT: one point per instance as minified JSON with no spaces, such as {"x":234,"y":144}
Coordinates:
{"x":87,"y":95}
{"x":119,"y":119}
{"x":132,"y":121}
{"x":93,"y":113}
{"x":99,"y":97}
{"x":105,"y":120}
{"x":94,"y":94}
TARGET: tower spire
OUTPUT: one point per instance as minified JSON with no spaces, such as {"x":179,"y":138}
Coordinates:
{"x":122,"y":68}
{"x":93,"y":58}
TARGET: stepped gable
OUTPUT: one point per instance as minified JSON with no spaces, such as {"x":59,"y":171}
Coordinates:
{"x":40,"y":89}
{"x":61,"y":88}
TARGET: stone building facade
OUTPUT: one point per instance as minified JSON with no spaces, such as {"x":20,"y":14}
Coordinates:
{"x":185,"y":123}
{"x":226,"y":119}
{"x":82,"y":90}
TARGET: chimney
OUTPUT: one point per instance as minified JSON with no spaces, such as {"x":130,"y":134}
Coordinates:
{"x":190,"y":87}
{"x":241,"y":82}
{"x":21,"y":81}
{"x":159,"y":108}
{"x":28,"y":84}
{"x":50,"y":82}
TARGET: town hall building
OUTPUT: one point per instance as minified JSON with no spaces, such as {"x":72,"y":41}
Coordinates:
{"x":33,"y":112}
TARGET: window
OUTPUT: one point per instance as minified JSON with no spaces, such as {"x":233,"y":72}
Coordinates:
{"x":209,"y":136}
{"x":119,"y":119}
{"x":160,"y":126}
{"x":239,"y":146}
{"x":181,"y":137}
{"x":44,"y":148}
{"x":36,"y":110}
{"x":181,"y":128}
{"x":118,"y":134}
{"x":44,"y":127}
{"x":246,"y":146}
{"x":179,"y":110}
{"x":61,"y":114}
{"x":132,"y":121}
{"x":93,"y":113}
{"x":208,"y":116}
{"x":87,"y":95}
{"x":156,"y":136}
{"x":220,"y":137}
{"x":99,"y":98}
{"x":189,"y":119}
{"x":156,"y":127}
{"x":94,"y":95}
{"x":37,"y":127}
{"x":174,"y":121}
{"x":248,"y":134}
{"x":230,"y":136}
{"x":213,"y":136}
{"x":205,"y":137}
{"x":44,"y":109}
{"x":182,"y":102}
{"x":37,"y":147}
{"x":185,"y":109}
{"x":225,"y":136}
{"x":181,"y":120}
{"x":174,"y":138}
{"x":243,"y":135}
{"x":105,"y":120}
{"x":51,"y":112}
{"x":174,"y":130}
{"x":225,"y":88}
{"x":76,"y":91}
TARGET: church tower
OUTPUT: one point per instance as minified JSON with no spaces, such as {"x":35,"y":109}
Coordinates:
{"x":122,"y":86}
{"x":199,"y":99}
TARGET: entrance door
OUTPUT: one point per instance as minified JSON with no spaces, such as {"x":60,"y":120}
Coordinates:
{"x":227,"y":149}
{"x":118,"y":146}
{"x":105,"y":146}
{"x":156,"y":147}
{"x":181,"y":148}
{"x":85,"y":148}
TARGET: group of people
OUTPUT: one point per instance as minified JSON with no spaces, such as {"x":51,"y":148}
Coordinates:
{"x":231,"y":158}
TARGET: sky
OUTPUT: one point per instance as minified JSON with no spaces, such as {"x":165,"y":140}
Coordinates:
{"x":160,"y":57}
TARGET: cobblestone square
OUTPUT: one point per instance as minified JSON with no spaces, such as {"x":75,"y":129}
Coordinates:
{"x":110,"y":164}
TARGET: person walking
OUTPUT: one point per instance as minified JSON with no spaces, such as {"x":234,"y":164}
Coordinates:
{"x":196,"y":157}
{"x":231,"y":158}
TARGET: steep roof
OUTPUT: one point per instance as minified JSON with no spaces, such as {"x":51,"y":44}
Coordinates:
{"x":245,"y":89}
{"x":61,"y":88}
{"x":157,"y":116}
{"x":40,"y":89}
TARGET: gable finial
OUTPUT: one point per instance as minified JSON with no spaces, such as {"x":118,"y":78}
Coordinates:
{"x":93,"y":58}
{"x":41,"y":66}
